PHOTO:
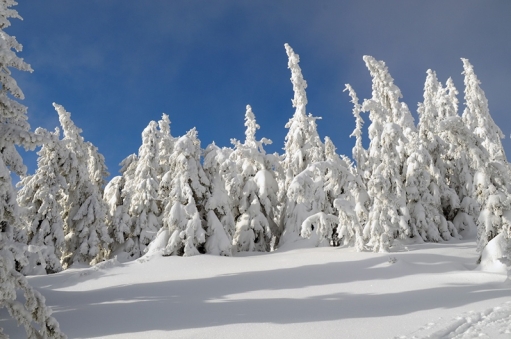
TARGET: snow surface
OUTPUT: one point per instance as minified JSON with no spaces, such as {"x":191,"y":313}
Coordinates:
{"x":429,"y":290}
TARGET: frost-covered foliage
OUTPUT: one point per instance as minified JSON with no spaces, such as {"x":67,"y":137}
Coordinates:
{"x":255,"y":207}
{"x":34,"y":315}
{"x":84,"y":211}
{"x":41,"y":211}
{"x":186,"y":186}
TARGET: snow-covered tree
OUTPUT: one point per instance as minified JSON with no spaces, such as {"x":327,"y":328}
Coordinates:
{"x":477,"y":115}
{"x":222,"y":174}
{"x":491,"y":181}
{"x":323,"y":202}
{"x":41,"y":211}
{"x":165,"y":146}
{"x":135,"y":198}
{"x":117,"y":196}
{"x":358,"y":152}
{"x":86,"y":235}
{"x":255,"y":209}
{"x":186,"y":185}
{"x":145,"y":207}
{"x":34,"y":315}
{"x":391,"y":121}
{"x":429,"y":198}
{"x":303,"y":145}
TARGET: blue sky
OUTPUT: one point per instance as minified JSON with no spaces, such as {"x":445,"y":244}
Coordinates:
{"x":117,"y":64}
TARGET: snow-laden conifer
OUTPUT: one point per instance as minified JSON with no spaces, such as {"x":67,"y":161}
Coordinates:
{"x":84,"y":211}
{"x":33,"y":315}
{"x":390,"y":121}
{"x":39,"y":198}
{"x":477,"y":115}
{"x":144,"y":205}
{"x":255,"y":209}
{"x":117,"y":195}
{"x":222,"y":174}
{"x":358,"y":151}
{"x":491,"y":181}
{"x":429,"y":198}
{"x":303,"y":145}
{"x":165,"y":146}
{"x":186,"y":186}
{"x":323,"y":202}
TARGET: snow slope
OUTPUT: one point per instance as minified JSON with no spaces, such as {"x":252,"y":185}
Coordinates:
{"x":418,"y":291}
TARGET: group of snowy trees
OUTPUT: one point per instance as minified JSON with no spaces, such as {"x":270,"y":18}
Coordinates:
{"x":434,"y":181}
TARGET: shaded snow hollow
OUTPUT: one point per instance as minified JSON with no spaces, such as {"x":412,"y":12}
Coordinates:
{"x":418,"y":291}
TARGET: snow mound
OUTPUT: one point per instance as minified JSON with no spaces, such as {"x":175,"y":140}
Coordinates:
{"x":491,"y":254}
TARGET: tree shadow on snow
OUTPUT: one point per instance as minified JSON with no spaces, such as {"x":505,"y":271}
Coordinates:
{"x":196,"y":303}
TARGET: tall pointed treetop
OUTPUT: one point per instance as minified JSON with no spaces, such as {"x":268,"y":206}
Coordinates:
{"x":71,"y":131}
{"x":299,"y":83}
{"x":252,"y":127}
{"x":387,"y":94}
{"x":358,"y":150}
{"x":477,"y":114}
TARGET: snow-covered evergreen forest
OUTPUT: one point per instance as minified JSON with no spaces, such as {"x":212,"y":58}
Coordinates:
{"x":442,"y":178}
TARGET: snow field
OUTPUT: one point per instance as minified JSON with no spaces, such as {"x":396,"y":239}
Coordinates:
{"x":299,"y":293}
